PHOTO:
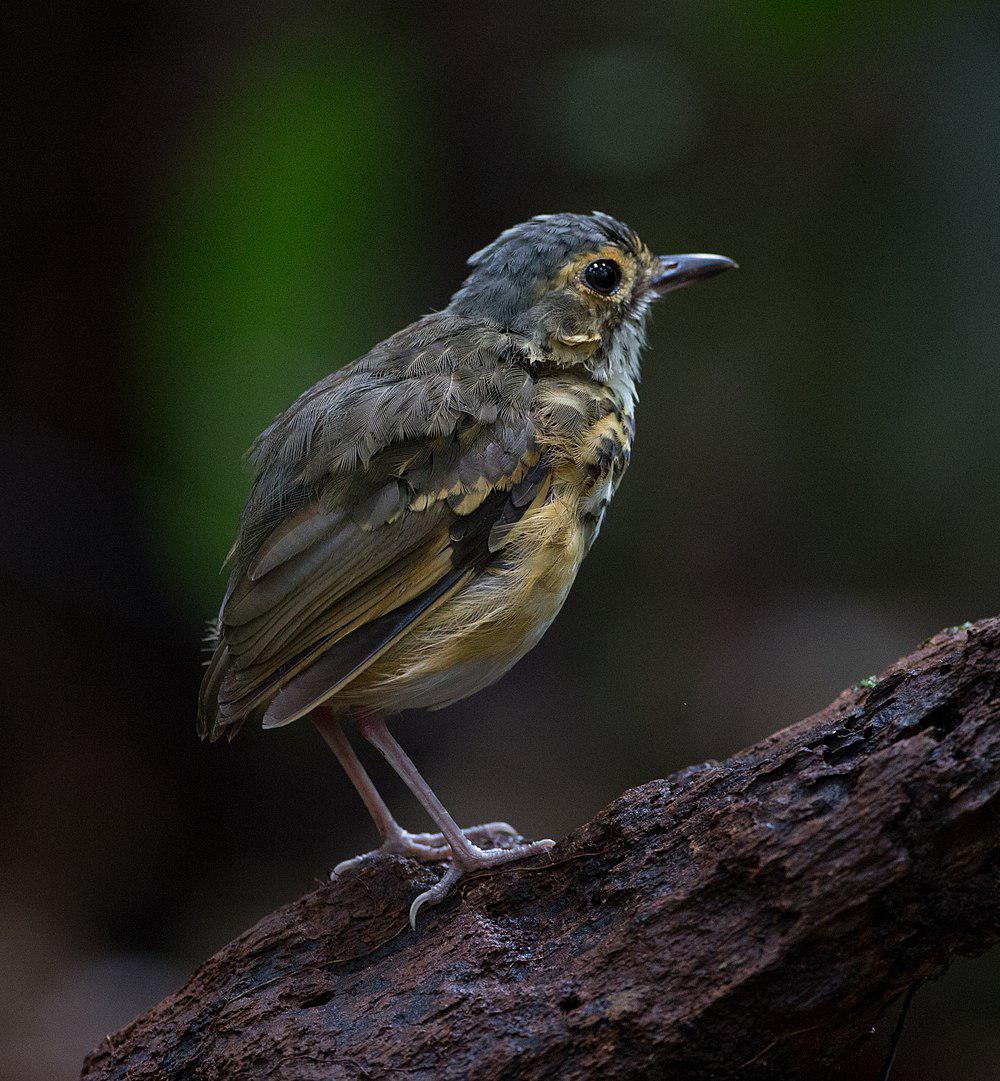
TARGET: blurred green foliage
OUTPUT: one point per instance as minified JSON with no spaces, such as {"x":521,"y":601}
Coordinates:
{"x":796,"y":33}
{"x":255,"y":285}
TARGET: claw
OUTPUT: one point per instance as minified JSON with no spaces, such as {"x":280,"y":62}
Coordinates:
{"x":348,"y":865}
{"x":436,"y":894}
{"x":403,"y":844}
{"x":476,"y":860}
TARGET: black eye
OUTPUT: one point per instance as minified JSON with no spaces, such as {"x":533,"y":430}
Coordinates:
{"x":603,"y":276}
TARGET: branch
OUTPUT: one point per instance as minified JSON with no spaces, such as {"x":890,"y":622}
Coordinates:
{"x":747,"y":919}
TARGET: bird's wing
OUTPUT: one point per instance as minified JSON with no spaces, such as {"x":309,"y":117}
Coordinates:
{"x":380,"y":493}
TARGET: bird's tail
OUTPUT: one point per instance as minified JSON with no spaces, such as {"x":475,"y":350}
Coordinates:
{"x":210,"y":725}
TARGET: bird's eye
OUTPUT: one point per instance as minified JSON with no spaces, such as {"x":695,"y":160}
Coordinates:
{"x":603,"y":276}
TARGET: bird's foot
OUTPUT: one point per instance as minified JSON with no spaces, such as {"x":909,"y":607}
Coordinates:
{"x":430,"y":847}
{"x":418,"y":846}
{"x":468,"y":861}
{"x":496,"y":835}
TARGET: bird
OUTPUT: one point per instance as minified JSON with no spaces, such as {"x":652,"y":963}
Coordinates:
{"x":417,"y":518}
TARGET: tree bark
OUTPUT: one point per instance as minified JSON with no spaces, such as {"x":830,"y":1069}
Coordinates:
{"x":745,"y":919}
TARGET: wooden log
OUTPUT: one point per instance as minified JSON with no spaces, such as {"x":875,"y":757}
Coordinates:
{"x":745,"y":919}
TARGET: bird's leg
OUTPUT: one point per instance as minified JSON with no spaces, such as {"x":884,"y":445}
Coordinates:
{"x":394,"y":837}
{"x":466,"y":856}
{"x":426,"y":847}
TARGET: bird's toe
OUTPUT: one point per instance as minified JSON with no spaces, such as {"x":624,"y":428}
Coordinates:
{"x":436,"y":894}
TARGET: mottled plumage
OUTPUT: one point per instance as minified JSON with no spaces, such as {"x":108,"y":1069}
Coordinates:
{"x":418,"y":517}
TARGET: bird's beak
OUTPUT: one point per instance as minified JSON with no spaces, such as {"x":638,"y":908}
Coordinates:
{"x":680,"y":270}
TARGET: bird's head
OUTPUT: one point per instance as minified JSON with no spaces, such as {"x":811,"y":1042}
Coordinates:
{"x":579,"y":285}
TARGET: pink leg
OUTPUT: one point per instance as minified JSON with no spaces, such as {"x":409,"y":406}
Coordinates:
{"x":394,"y":837}
{"x":466,"y":856}
{"x":426,"y":847}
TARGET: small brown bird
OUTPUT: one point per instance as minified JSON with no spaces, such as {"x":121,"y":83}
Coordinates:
{"x":418,"y":517}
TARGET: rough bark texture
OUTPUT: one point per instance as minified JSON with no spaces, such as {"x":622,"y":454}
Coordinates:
{"x":744,"y":919}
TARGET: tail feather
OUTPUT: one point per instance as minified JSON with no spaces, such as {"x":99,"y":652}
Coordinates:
{"x":209,"y":726}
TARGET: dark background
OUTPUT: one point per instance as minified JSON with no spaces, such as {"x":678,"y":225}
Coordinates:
{"x":208,"y":212}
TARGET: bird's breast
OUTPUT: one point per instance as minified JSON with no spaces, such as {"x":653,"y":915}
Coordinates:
{"x":478,"y":634}
{"x":590,"y":452}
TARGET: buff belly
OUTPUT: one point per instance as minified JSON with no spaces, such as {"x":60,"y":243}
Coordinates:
{"x":477,"y":635}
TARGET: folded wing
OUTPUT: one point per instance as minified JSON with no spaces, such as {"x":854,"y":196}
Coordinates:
{"x":382,"y":492}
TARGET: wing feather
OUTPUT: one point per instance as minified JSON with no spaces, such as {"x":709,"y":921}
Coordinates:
{"x":381,"y":492}
{"x":304,"y":530}
{"x":355,"y":653}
